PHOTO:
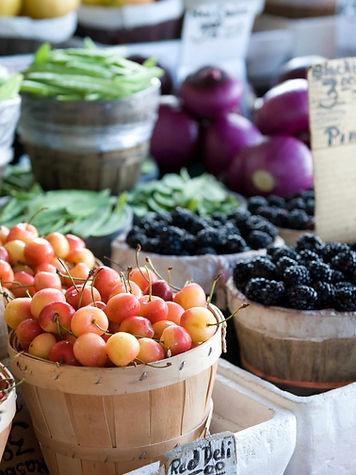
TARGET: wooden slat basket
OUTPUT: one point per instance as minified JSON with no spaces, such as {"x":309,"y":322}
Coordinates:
{"x":306,"y":352}
{"x":7,"y":406}
{"x":108,"y":421}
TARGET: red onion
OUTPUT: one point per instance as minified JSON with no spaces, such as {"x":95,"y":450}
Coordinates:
{"x":224,"y":138}
{"x":298,"y":67}
{"x":210,"y":92}
{"x":280,"y":165}
{"x":175,"y":136}
{"x":284,"y":109}
{"x":166,"y":79}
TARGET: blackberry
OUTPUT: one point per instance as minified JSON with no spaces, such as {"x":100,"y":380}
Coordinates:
{"x":241,"y":274}
{"x":277,"y":252}
{"x":296,"y":275}
{"x":307,"y":256}
{"x":296,"y":203}
{"x":234,"y":244}
{"x":344,"y":261}
{"x":268,"y":212}
{"x":257,"y":223}
{"x":136,"y":236}
{"x":302,"y":297}
{"x":331,"y":249}
{"x":171,"y":241}
{"x":282,"y":218}
{"x":207,"y":237}
{"x":309,"y":242}
{"x":239,"y":217}
{"x":151,"y":245}
{"x":319,"y":271}
{"x":189,"y":244}
{"x":149,"y":218}
{"x":206,"y":250}
{"x":310,"y":207}
{"x":256,"y":202}
{"x":298,"y":219}
{"x":262,"y":267}
{"x":278,"y":201}
{"x":283,"y":263}
{"x":259,"y":239}
{"x":222,"y":218}
{"x":266,"y":292}
{"x":326,"y":292}
{"x":155,"y":228}
{"x":345,"y":299}
{"x":340,"y":285}
{"x":183,"y":218}
{"x":336,"y":276}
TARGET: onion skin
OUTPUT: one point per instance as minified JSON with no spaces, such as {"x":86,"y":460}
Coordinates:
{"x":282,"y":164}
{"x":210,"y":93}
{"x":175,"y":136}
{"x":298,"y":67}
{"x":224,"y":138}
{"x":284,"y":109}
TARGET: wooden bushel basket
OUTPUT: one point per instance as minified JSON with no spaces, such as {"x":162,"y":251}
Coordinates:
{"x":7,"y":408}
{"x":291,"y":236}
{"x":113,"y":420}
{"x":306,"y":352}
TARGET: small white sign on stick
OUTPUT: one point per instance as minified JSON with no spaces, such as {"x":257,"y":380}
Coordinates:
{"x":332,"y":111}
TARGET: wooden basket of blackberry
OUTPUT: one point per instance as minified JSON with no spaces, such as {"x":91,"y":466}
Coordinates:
{"x":299,"y":328}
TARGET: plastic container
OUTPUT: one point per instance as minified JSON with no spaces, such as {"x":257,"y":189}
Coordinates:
{"x":112,"y":420}
{"x":89,"y":145}
{"x":305,"y":352}
{"x":156,"y":21}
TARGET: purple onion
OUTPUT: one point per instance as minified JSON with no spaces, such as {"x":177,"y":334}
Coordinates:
{"x":298,"y":67}
{"x":210,"y":92}
{"x":280,"y":165}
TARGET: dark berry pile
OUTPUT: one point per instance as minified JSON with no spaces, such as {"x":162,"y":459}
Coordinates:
{"x":184,"y":233}
{"x":293,"y":212}
{"x":313,"y":275}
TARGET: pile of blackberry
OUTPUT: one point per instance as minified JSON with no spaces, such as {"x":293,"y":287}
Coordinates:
{"x":313,"y":275}
{"x":292,"y":212}
{"x":184,"y":233}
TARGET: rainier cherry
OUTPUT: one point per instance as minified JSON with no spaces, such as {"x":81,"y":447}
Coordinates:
{"x":154,"y":308}
{"x":83,"y":296}
{"x":122,"y":306}
{"x":199,"y":322}
{"x":62,"y":352}
{"x":59,"y":244}
{"x":56,"y":317}
{"x":176,"y":340}
{"x":105,"y":280}
{"x":120,"y":288}
{"x":191,"y":295}
{"x":44,"y":297}
{"x":90,"y":350}
{"x":175,"y":311}
{"x":41,"y":345}
{"x":160,"y":289}
{"x":27,"y":331}
{"x":4,"y":256}
{"x":122,"y":348}
{"x":138,"y":326}
{"x":47,"y":280}
{"x":75,"y":242}
{"x":17,"y":310}
{"x":140,"y":277}
{"x":38,"y":251}
{"x":160,"y":326}
{"x":46,"y":268}
{"x":4,"y":232}
{"x":79,"y":271}
{"x":150,"y":351}
{"x":89,"y":320}
{"x":82,"y":255}
{"x":25,"y":283}
{"x":22,"y":231}
{"x":6,"y":274}
{"x":16,"y":252}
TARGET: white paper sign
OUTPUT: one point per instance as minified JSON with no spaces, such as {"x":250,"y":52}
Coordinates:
{"x":346,"y":31}
{"x":214,"y":455}
{"x":217,"y":34}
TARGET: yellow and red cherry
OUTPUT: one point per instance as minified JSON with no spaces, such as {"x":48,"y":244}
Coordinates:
{"x":23,"y":283}
{"x":176,"y":340}
{"x":62,"y":352}
{"x":154,"y":308}
{"x":16,"y":252}
{"x":59,"y":244}
{"x":46,"y":267}
{"x":80,"y":296}
{"x":41,"y":345}
{"x":83,"y":255}
{"x":16,"y":311}
{"x":138,"y":326}
{"x":26,"y":331}
{"x":122,"y":306}
{"x":56,"y":317}
{"x":200,"y":323}
{"x":47,"y":280}
{"x":4,"y":232}
{"x":150,"y":351}
{"x":140,"y":277}
{"x":105,"y":279}
{"x":122,"y":348}
{"x":75,"y":242}
{"x":175,"y":311}
{"x":160,"y":289}
{"x":4,"y":255}
{"x":44,"y":297}
{"x":38,"y":251}
{"x":6,"y":275}
{"x":23,"y":231}
{"x":192,"y":295}
{"x":90,"y":350}
{"x":131,"y":286}
{"x":89,"y":320}
{"x":160,"y":326}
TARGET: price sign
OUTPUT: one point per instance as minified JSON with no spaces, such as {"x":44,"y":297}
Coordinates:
{"x":217,"y":34}
{"x":332,"y":105}
{"x":214,"y":455}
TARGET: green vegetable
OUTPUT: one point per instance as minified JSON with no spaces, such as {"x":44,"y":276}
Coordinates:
{"x":87,"y":73}
{"x":203,"y":195}
{"x":84,"y":213}
{"x":9,"y":84}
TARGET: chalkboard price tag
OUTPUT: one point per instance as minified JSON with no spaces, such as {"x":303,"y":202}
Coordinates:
{"x":214,"y":455}
{"x":332,"y":111}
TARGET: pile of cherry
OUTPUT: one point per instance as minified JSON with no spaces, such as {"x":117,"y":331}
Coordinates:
{"x":66,"y":309}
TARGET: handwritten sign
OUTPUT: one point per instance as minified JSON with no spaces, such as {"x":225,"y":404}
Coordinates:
{"x":214,"y":455}
{"x":217,"y":34}
{"x":332,"y":111}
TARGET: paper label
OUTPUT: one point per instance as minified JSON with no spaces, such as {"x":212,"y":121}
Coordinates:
{"x":217,"y":34}
{"x":214,"y":455}
{"x":346,"y":32}
{"x":332,"y":110}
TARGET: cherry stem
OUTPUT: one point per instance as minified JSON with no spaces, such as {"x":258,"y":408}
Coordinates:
{"x":149,"y":262}
{"x":149,"y":284}
{"x":37,"y":213}
{"x":61,"y":327}
{"x":94,"y":322}
{"x":113,"y":262}
{"x":208,"y":302}
{"x":169,"y":275}
{"x":153,"y":365}
{"x":68,"y":273}
{"x":96,"y":273}
{"x":6,"y":294}
{"x":244,"y":305}
{"x":90,"y":274}
{"x":138,"y":250}
{"x":79,"y":279}
{"x":129,"y":270}
{"x":10,"y":388}
{"x":123,"y":278}
{"x":28,"y":294}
